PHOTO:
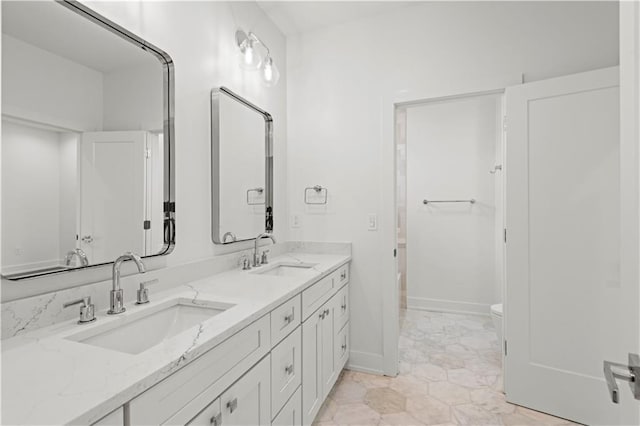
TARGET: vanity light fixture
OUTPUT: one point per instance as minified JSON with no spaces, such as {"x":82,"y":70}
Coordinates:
{"x":252,"y":59}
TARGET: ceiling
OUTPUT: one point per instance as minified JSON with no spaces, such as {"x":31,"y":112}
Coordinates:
{"x":64,"y":33}
{"x":295,"y":17}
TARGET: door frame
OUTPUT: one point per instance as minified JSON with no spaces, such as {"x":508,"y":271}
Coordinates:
{"x":630,"y":168}
{"x":388,"y":181}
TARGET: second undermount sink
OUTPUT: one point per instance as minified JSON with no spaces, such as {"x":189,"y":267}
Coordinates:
{"x":152,"y":326}
{"x":286,"y":269}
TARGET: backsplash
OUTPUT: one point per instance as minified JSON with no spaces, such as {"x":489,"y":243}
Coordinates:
{"x":23,"y":315}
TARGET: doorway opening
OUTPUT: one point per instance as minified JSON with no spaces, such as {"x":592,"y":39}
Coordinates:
{"x":449,"y":201}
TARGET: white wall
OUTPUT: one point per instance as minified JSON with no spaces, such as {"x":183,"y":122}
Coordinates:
{"x":30,"y":219}
{"x":69,"y":192}
{"x":133,"y":98}
{"x":339,"y":78}
{"x":68,"y":95}
{"x":450,"y":247}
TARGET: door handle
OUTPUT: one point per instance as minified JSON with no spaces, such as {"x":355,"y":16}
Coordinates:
{"x":629,"y":373}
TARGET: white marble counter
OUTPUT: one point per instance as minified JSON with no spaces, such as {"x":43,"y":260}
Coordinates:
{"x":47,"y":379}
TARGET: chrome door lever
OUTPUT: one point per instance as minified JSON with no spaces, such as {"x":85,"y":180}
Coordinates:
{"x":629,"y":373}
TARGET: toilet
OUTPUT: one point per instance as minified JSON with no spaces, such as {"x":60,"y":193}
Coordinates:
{"x":496,"y":316}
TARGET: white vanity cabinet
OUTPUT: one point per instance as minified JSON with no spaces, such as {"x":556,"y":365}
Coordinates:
{"x":325,"y":335}
{"x":277,"y":370}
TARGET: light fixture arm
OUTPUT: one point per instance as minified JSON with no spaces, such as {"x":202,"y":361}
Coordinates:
{"x":256,"y":39}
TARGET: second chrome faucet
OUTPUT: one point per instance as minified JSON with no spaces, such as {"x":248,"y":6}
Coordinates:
{"x":116,"y":299}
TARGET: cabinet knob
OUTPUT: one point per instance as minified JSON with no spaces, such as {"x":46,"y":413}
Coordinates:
{"x":344,"y":306}
{"x":216,"y":420}
{"x":232,"y":405}
{"x":289,"y":369}
{"x":326,"y":311}
{"x":288,"y":319}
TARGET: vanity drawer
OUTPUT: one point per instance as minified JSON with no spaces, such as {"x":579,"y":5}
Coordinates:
{"x":291,"y":413}
{"x":317,"y":294}
{"x":343,"y":275}
{"x":284,"y":319}
{"x":341,"y":308}
{"x":286,"y":369}
{"x":342,"y":348}
{"x":181,"y":396}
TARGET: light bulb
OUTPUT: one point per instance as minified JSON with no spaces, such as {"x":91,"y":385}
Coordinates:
{"x":250,"y":58}
{"x":270,"y":73}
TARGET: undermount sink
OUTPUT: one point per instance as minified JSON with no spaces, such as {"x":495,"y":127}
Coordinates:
{"x":286,"y":269}
{"x":151,"y":327}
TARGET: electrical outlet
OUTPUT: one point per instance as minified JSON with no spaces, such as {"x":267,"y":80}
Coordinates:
{"x":295,"y":220}
{"x":372,"y":222}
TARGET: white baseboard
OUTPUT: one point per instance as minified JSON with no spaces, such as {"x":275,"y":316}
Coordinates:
{"x":453,"y":306}
{"x":366,"y":362}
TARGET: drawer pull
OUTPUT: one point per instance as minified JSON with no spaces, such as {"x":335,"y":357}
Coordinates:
{"x":344,"y":306}
{"x":289,"y":369}
{"x":232,"y":405}
{"x":216,"y":420}
{"x":343,"y":275}
{"x":322,"y":315}
{"x":326,"y":311}
{"x":288,"y":319}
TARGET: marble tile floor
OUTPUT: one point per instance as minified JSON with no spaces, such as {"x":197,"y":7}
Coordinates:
{"x":450,"y":374}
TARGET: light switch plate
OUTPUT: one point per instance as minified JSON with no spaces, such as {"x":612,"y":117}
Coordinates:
{"x":372,"y":222}
{"x":295,"y":220}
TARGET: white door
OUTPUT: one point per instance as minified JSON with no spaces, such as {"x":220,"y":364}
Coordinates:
{"x":563,"y":289}
{"x":112,"y":198}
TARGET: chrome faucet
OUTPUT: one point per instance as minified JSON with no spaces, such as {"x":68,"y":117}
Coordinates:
{"x":256,"y":257}
{"x":117,"y":296}
{"x":84,"y":261}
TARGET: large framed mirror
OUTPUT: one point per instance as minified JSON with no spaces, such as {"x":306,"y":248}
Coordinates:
{"x":241,"y":168}
{"x":87,"y":141}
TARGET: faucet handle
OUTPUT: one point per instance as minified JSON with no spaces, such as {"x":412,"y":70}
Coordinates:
{"x":87,"y":309}
{"x":264,"y":259}
{"x":143,"y":292}
{"x":245,"y":262}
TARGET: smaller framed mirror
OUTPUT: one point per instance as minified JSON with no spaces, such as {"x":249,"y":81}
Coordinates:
{"x":241,"y":168}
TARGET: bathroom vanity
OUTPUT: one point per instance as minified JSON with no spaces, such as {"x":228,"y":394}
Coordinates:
{"x":255,"y":347}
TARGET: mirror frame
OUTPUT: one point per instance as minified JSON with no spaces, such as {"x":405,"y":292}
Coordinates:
{"x":168,"y":129}
{"x":215,"y":161}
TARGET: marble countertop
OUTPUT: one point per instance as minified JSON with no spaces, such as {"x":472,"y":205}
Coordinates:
{"x":48,"y":379}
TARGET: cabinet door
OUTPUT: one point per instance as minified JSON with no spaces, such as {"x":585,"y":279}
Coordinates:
{"x":210,"y":416}
{"x":342,"y":347}
{"x":327,"y":353}
{"x":290,"y":413}
{"x":285,"y":370}
{"x":341,"y":307}
{"x":311,"y":367}
{"x":247,"y":401}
